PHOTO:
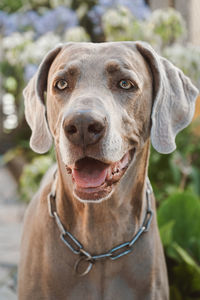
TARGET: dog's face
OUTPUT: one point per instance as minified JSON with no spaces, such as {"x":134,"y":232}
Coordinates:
{"x":99,"y":105}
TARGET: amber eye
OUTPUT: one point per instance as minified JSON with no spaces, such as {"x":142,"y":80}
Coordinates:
{"x":126,"y":84}
{"x":61,"y":84}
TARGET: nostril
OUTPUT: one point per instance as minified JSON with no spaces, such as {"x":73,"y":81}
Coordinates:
{"x":84,"y":128}
{"x":95,"y":128}
{"x":71,"y":129}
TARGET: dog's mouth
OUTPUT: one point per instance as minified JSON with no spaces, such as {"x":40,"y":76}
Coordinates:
{"x":94,"y":180}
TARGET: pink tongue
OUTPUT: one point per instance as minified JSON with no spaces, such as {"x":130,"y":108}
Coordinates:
{"x":90,"y":173}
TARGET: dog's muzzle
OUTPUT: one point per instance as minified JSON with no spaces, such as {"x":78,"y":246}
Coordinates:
{"x":93,"y":177}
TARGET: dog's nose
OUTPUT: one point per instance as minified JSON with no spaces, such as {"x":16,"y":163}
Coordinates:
{"x":84,"y":128}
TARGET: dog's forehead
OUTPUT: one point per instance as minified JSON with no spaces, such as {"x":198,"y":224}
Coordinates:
{"x":98,"y":55}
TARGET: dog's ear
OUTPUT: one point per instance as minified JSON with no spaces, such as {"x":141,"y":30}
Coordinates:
{"x":174,"y":100}
{"x":35,"y":111}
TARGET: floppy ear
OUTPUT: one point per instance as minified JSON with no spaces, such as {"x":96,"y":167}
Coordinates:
{"x":174,"y":100}
{"x":35,"y":111}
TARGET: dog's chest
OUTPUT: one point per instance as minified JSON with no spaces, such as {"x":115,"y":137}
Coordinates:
{"x":107,"y":280}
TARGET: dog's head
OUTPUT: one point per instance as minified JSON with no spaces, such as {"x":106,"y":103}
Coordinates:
{"x":102,"y":103}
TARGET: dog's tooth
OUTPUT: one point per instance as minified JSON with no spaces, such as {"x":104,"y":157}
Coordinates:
{"x":115,"y":169}
{"x":109,"y":174}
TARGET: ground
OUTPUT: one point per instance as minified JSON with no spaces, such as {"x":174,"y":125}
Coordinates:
{"x":11,"y":217}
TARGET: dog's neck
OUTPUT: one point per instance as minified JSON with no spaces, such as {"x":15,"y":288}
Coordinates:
{"x":112,"y":221}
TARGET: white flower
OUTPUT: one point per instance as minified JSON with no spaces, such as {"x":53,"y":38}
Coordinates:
{"x":36,"y":51}
{"x":76,"y":34}
{"x":16,"y":40}
{"x":168,"y":24}
{"x":187,"y":59}
{"x":14,"y":45}
{"x":118,"y":17}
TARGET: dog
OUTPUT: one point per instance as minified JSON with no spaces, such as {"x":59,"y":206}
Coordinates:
{"x":90,"y":232}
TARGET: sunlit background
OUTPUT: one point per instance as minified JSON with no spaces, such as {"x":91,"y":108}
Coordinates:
{"x":28,"y":29}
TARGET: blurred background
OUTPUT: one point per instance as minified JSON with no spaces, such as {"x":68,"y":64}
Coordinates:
{"x":28,"y":29}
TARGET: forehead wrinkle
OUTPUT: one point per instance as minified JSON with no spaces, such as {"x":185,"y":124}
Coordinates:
{"x":117,"y":65}
{"x":61,"y":67}
{"x":65,"y":69}
{"x":69,"y":66}
{"x":78,"y":52}
{"x":124,"y":69}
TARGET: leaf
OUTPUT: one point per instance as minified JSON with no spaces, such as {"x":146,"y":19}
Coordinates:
{"x":187,"y":280}
{"x":183,"y":256}
{"x":195,"y":175}
{"x":166,"y":233}
{"x":183,"y":209}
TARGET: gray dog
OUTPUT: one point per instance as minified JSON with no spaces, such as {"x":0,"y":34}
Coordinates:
{"x":91,"y":232}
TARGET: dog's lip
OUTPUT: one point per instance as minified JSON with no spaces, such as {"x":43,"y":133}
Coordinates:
{"x":89,"y":188}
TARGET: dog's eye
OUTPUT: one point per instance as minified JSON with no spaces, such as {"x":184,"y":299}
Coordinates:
{"x":61,"y":84}
{"x":126,"y":84}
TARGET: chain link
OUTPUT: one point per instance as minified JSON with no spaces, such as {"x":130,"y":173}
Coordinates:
{"x":77,"y":248}
{"x":71,"y":242}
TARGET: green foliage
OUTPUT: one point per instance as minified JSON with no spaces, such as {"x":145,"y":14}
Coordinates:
{"x":179,"y":211}
{"x":179,"y":223}
{"x":11,"y":5}
{"x":77,"y":3}
{"x":168,"y":24}
{"x":184,"y":281}
{"x":32,"y":175}
{"x":11,"y":84}
{"x":180,"y":169}
{"x":178,"y":219}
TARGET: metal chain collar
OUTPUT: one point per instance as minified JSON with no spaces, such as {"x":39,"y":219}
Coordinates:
{"x":86,"y":260}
